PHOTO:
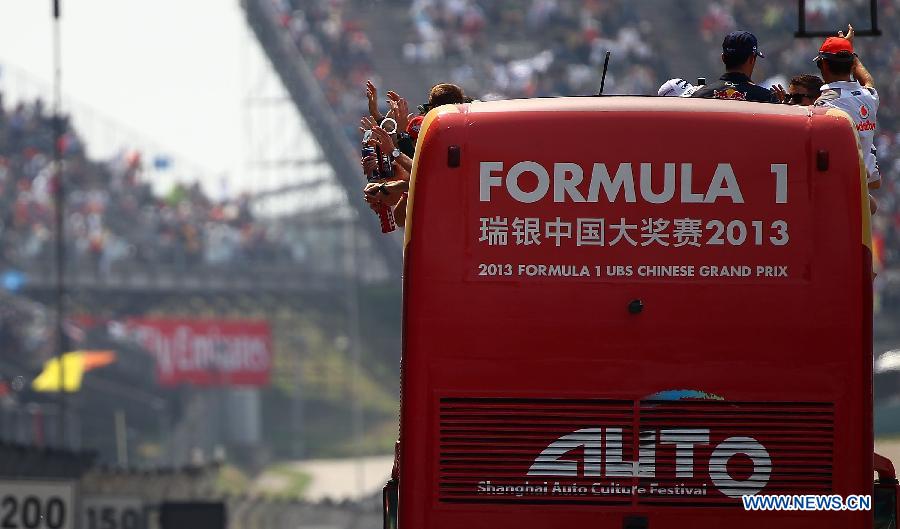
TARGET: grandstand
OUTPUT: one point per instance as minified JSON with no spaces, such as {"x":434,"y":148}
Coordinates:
{"x":134,"y":251}
{"x":525,"y":48}
{"x":537,"y":48}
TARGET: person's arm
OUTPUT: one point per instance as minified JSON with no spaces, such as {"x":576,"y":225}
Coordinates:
{"x":400,"y":110}
{"x":372,"y":96}
{"x":400,"y":212}
{"x":406,"y":163}
{"x":387,"y":144}
{"x":862,"y":75}
{"x":384,"y":140}
{"x":859,"y":71}
{"x":390,"y":192}
{"x":406,"y":144}
{"x":876,"y":183}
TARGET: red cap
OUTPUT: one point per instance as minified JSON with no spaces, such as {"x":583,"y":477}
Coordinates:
{"x":836,"y":48}
{"x":415,"y":124}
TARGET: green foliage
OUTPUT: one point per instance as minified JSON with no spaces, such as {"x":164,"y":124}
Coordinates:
{"x":231,"y":480}
{"x":377,"y":440}
{"x":321,"y":369}
{"x":313,"y":362}
{"x":295,"y":482}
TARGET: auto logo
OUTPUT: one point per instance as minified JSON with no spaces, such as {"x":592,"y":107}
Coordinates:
{"x":601,"y":456}
{"x":730,"y":93}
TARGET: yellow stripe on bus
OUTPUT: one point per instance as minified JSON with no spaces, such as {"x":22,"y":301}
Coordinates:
{"x":863,"y":179}
{"x":426,"y":123}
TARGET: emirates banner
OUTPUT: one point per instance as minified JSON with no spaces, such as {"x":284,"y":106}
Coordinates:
{"x":207,"y":352}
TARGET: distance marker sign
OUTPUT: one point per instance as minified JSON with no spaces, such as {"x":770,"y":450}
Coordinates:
{"x":26,"y":504}
{"x":112,"y":512}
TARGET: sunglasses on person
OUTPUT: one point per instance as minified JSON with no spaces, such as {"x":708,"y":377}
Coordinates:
{"x":796,"y":99}
{"x":425,"y":107}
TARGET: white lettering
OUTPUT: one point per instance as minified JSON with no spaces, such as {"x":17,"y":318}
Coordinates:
{"x":647,"y":184}
{"x":781,"y":173}
{"x":600,"y":176}
{"x":527,"y":197}
{"x":548,"y":463}
{"x":487,"y":180}
{"x":186,"y":350}
{"x":684,"y":441}
{"x":687,"y":195}
{"x":615,"y":466}
{"x":718,"y":466}
{"x":563,"y":186}
{"x":724,"y":174}
{"x":567,"y":177}
{"x":551,"y":461}
{"x":647,"y":454}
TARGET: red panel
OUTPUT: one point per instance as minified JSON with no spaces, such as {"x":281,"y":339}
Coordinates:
{"x":792,"y":338}
{"x":207,"y":352}
{"x":691,"y":453}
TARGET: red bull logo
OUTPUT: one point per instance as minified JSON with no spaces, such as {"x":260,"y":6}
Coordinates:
{"x":730,"y":94}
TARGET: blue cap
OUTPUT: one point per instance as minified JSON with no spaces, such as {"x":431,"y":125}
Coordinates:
{"x":741,"y":44}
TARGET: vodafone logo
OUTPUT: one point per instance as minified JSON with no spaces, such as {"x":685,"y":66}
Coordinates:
{"x":864,"y":111}
{"x":865,"y":125}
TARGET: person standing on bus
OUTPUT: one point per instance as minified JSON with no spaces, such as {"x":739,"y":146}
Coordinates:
{"x":804,"y":90}
{"x":395,"y":192}
{"x":676,"y":88}
{"x":739,"y":52}
{"x":858,"y":98}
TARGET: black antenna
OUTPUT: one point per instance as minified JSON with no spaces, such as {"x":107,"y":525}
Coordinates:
{"x":603,"y":79}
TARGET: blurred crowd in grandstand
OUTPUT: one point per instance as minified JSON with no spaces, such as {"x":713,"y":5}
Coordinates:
{"x":113,"y":217}
{"x":482,"y":43}
{"x":493,"y":48}
{"x":337,"y":49}
{"x":775,"y":22}
{"x":499,"y":49}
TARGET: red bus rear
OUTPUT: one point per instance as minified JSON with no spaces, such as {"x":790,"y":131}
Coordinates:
{"x":631,"y":312}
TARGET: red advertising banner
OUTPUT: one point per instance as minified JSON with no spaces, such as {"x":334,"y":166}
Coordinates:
{"x":206,"y":352}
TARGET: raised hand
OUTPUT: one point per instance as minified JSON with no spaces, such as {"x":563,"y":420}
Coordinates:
{"x":367,"y":123}
{"x":381,"y":138}
{"x":369,"y":164}
{"x":372,"y":96}
{"x":399,"y":109}
{"x":779,"y":92}
{"x":850,"y":33}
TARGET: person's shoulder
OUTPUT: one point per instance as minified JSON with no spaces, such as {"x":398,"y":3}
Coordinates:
{"x":705,"y":91}
{"x":855,"y":89}
{"x":691,"y":91}
{"x":828,"y":96}
{"x":759,"y":93}
{"x":870,"y":90}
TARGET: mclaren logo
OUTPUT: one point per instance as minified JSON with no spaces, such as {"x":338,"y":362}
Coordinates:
{"x":602,"y":450}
